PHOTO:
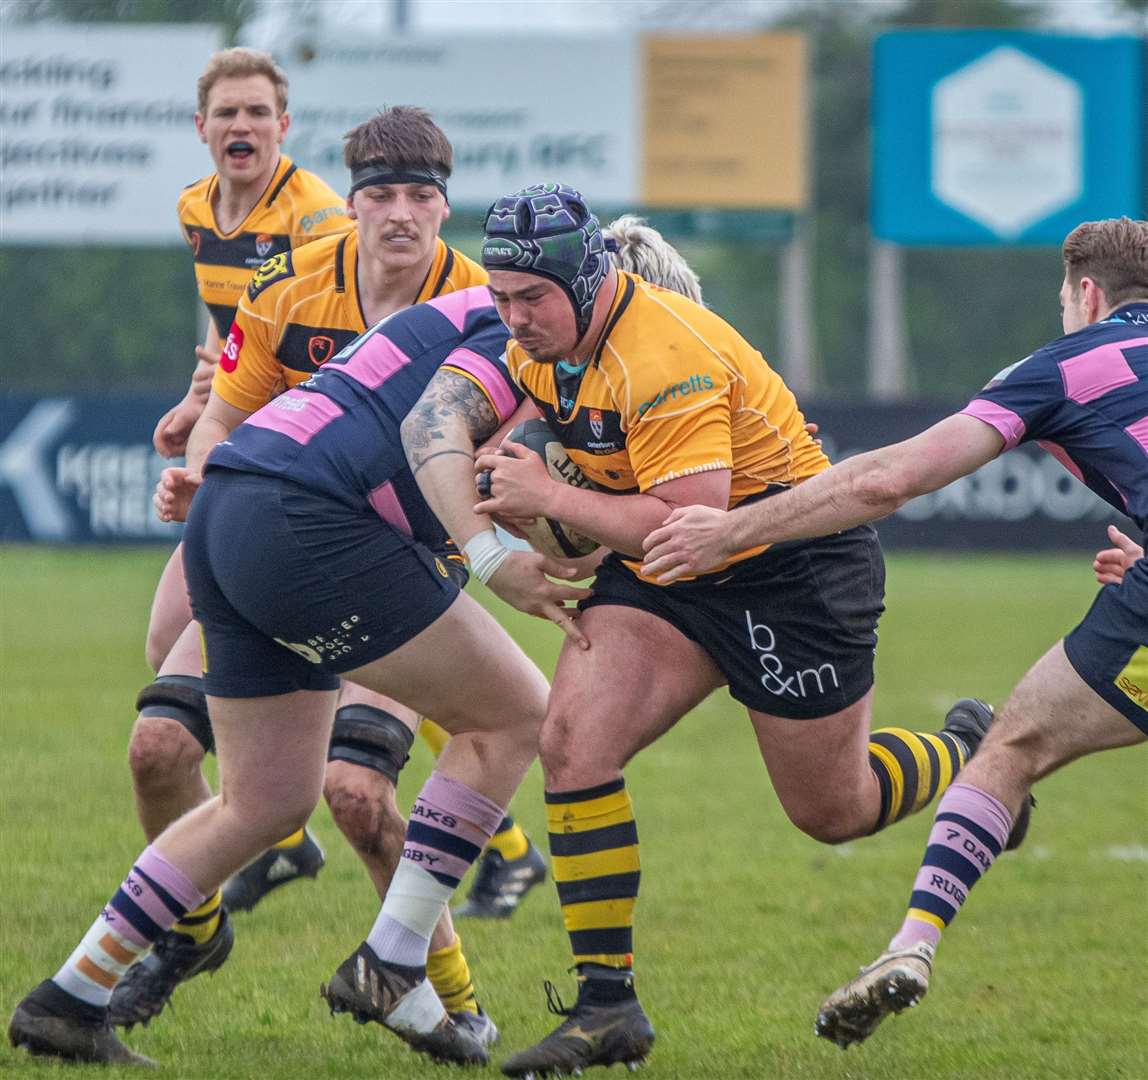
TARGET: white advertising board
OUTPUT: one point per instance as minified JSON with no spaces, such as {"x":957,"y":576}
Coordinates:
{"x":517,"y":111}
{"x":96,"y":131}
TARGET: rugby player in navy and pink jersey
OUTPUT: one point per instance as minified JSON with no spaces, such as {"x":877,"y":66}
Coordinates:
{"x":352,"y":479}
{"x":1084,"y":397}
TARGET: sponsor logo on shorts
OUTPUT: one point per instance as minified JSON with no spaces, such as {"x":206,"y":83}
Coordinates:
{"x":229,"y":354}
{"x":693,"y":385}
{"x":1133,"y":680}
{"x":339,"y":640}
{"x":796,"y":683}
{"x":440,"y":566}
{"x":320,"y":348}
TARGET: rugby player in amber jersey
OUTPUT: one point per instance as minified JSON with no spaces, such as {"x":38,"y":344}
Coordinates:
{"x":1085,"y":397}
{"x":300,"y":308}
{"x":662,"y":404}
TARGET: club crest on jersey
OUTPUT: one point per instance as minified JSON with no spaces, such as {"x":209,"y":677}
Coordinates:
{"x":596,"y":427}
{"x":272,"y":270}
{"x":320,"y":348}
{"x":263,"y":245}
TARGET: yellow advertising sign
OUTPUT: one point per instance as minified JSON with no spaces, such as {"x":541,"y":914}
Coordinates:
{"x":724,"y":121}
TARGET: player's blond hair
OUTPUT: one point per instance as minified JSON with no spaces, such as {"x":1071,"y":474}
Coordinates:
{"x":400,"y":135}
{"x":240,"y":63}
{"x":1114,"y":253}
{"x":640,"y":249}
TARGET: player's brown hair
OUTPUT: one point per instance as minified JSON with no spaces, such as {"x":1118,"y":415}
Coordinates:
{"x":1114,"y":253}
{"x":239,"y":63}
{"x":400,"y":135}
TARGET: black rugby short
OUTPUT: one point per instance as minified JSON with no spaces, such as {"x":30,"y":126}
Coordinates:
{"x":793,"y":629}
{"x":1109,"y":649}
{"x":292,"y":587}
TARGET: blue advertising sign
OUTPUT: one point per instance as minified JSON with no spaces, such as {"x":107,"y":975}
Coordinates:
{"x":1004,"y":137}
{"x":79,"y":470}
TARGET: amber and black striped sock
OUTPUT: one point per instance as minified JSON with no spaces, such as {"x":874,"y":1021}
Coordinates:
{"x":594,"y":849}
{"x":912,"y":769}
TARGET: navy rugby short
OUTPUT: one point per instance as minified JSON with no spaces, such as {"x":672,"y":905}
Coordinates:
{"x":793,"y":629}
{"x":1109,"y":649}
{"x":292,"y":587}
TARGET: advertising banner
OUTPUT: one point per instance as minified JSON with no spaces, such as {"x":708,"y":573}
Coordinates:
{"x":82,"y":470}
{"x":1004,"y":137}
{"x":97,"y":133}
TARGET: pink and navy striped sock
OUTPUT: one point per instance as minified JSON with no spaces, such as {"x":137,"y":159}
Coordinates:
{"x":969,"y":832}
{"x":151,"y":899}
{"x":449,"y":826}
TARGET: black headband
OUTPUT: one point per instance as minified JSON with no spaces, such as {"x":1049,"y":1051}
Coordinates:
{"x":372,"y":173}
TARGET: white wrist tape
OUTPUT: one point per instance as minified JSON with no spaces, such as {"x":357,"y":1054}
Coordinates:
{"x":485,"y":553}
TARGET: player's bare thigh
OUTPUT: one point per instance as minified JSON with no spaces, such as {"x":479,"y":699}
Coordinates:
{"x":820,"y":769}
{"x":637,"y":679}
{"x":1051,"y":718}
{"x":170,"y":611}
{"x":468,"y":673}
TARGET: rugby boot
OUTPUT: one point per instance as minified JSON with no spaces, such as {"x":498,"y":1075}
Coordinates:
{"x":500,"y":884}
{"x":893,"y":982}
{"x":275,"y":867}
{"x":969,"y":720}
{"x":53,"y":1023}
{"x":1020,"y":826}
{"x":403,"y":1001}
{"x":145,"y":990}
{"x":478,"y":1024}
{"x":591,"y":1034}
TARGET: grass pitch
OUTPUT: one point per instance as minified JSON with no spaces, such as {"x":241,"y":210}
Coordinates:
{"x":743,"y":924}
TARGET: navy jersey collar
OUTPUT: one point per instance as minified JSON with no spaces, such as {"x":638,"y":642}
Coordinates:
{"x":1135,"y":313}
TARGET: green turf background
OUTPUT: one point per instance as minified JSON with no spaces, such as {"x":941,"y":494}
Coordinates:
{"x":743,"y":923}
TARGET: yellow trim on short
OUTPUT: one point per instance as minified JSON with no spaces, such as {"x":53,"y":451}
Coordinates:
{"x":1132,"y":681}
{"x":599,"y":914}
{"x":595,"y":864}
{"x":896,"y":780}
{"x":926,"y":917}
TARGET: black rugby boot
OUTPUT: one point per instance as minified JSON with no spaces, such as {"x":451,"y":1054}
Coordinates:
{"x":52,"y":1023}
{"x":500,"y":884}
{"x":143,"y":993}
{"x":403,"y":1001}
{"x":275,"y":867}
{"x":607,"y":1025}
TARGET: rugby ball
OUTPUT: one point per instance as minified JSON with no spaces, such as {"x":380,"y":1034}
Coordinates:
{"x":546,"y":536}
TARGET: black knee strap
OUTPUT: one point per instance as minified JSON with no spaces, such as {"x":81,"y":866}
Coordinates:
{"x":372,"y":738}
{"x":179,"y":698}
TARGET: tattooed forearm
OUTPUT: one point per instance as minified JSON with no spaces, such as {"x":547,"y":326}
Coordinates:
{"x":423,"y":459}
{"x":452,"y":410}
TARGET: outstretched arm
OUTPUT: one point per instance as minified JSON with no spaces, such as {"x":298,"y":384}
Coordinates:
{"x":861,"y":489}
{"x":439,"y":436}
